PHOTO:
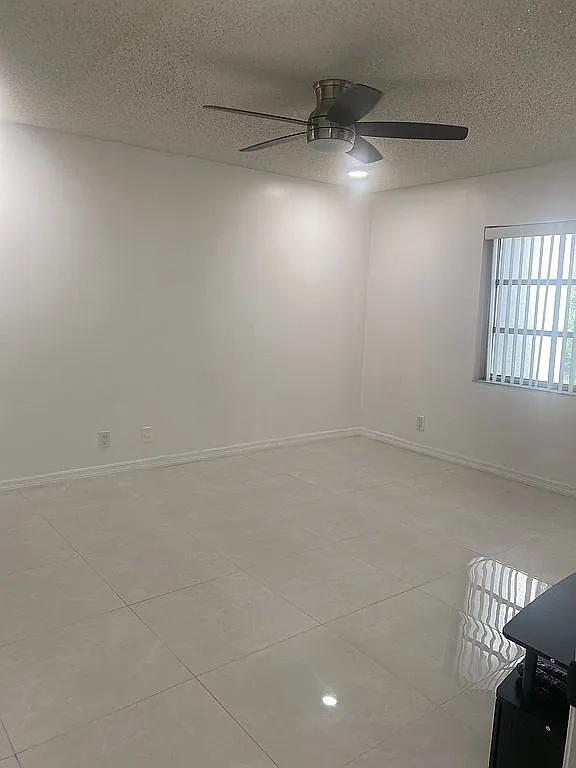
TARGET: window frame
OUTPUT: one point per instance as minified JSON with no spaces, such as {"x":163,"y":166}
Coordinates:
{"x":493,"y":240}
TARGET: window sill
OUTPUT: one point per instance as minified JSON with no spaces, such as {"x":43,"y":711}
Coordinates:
{"x":522,"y":388}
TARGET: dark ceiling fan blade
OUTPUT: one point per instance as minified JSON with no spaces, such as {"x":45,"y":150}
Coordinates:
{"x":364,"y":151}
{"x":263,"y":115}
{"x":433,"y":131}
{"x":273,"y":142}
{"x":353,"y":104}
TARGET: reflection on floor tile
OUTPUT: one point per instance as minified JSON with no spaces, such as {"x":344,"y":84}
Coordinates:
{"x":436,"y":649}
{"x":314,"y":701}
{"x":474,"y":708}
{"x":487,"y":590}
{"x":413,"y":566}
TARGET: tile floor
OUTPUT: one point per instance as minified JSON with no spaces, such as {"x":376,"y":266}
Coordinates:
{"x":324,"y":605}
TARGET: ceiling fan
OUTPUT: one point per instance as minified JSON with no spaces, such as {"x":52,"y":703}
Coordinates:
{"x":334,"y":127}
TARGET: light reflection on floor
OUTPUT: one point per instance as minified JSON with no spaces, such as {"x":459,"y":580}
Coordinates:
{"x":494,"y":594}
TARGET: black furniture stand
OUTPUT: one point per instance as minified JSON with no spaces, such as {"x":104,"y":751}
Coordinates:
{"x":531,"y":719}
{"x":526,"y":735}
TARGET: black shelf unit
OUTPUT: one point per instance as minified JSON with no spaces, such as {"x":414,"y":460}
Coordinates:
{"x":527,"y":734}
{"x":530,"y":727}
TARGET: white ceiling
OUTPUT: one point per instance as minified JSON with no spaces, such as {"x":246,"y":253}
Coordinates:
{"x":139,"y":70}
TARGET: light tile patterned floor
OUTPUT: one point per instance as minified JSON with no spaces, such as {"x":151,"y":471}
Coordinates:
{"x":201,"y":615}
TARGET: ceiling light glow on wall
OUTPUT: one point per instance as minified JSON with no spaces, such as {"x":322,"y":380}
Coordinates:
{"x":357,"y":174}
{"x":329,"y":701}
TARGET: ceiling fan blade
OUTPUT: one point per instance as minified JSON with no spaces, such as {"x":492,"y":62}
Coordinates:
{"x":273,"y":142}
{"x":434,"y":131}
{"x":364,"y":151}
{"x":353,"y":104}
{"x":263,"y":115}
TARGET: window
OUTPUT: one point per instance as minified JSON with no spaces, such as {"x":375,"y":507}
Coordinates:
{"x":532,"y":325}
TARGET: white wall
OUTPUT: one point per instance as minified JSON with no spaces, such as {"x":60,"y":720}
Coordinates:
{"x":216,"y":304}
{"x":422,"y":324}
{"x":221,"y":305}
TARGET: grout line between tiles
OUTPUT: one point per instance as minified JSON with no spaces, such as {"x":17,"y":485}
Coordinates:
{"x":369,"y":605}
{"x":184,"y":588}
{"x":60,"y":627}
{"x":416,"y":720}
{"x":247,"y":570}
{"x":509,"y":665}
{"x":92,"y":720}
{"x":388,"y":671}
{"x":258,"y":650}
{"x":126,"y":605}
{"x":238,"y":723}
{"x":319,"y":625}
{"x":197,"y":677}
{"x":3,"y":726}
{"x":239,"y":658}
{"x":87,"y":563}
{"x":50,"y":564}
{"x":449,"y":573}
{"x":165,"y":645}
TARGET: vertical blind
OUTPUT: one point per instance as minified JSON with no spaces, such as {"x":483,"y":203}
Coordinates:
{"x":532,"y":325}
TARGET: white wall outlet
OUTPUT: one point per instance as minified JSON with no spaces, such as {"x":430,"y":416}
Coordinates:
{"x":104,"y":439}
{"x":420,"y":423}
{"x":147,"y":434}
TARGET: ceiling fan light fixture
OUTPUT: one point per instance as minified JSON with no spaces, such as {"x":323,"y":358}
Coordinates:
{"x":334,"y":126}
{"x":357,"y":173}
{"x":331,"y":146}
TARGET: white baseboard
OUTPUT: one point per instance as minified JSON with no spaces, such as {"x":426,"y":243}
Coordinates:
{"x":483,"y":466}
{"x":173,"y":460}
{"x":190,"y":457}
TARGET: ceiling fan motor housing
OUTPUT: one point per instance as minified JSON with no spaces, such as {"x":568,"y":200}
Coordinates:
{"x":321,"y":134}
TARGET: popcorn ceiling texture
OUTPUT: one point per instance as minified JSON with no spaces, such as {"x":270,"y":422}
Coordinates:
{"x":138,"y":71}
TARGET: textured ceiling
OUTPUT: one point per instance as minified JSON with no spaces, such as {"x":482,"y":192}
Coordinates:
{"x":138,"y":71}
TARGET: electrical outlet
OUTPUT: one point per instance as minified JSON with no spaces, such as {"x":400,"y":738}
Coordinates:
{"x":420,"y":423}
{"x":104,"y":439}
{"x":147,"y":434}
